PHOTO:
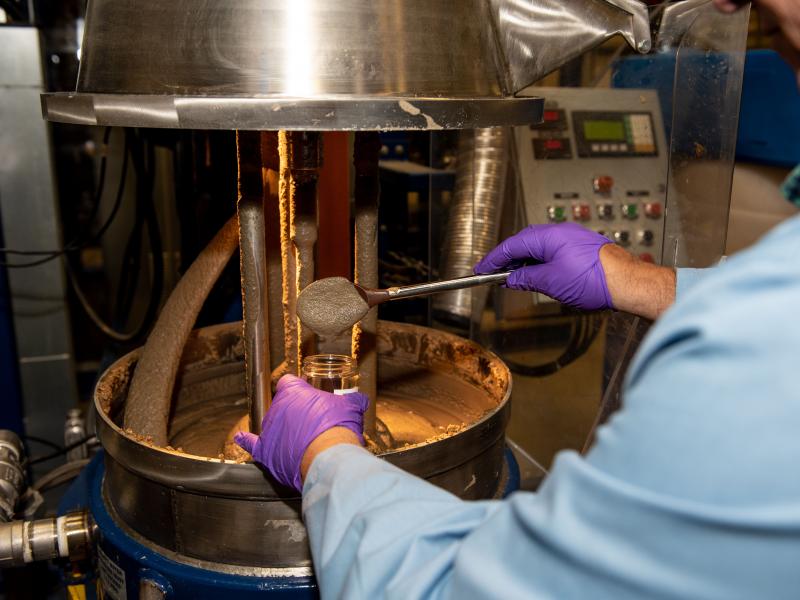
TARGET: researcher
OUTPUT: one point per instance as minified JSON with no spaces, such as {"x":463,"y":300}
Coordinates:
{"x":692,"y":490}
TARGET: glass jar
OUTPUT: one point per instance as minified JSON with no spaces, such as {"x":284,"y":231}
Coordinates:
{"x":335,"y":373}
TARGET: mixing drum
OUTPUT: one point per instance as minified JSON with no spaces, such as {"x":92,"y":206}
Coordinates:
{"x":443,"y":403}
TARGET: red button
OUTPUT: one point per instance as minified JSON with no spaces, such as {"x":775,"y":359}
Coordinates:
{"x":603,"y":184}
{"x":553,"y":144}
{"x":653,"y":209}
{"x":581,"y":212}
{"x":551,"y":115}
{"x":647,"y":257}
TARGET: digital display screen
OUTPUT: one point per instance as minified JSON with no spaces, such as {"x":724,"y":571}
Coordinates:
{"x":612,"y":131}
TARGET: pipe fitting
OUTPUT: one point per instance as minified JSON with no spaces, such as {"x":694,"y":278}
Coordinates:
{"x":69,"y":536}
{"x":12,"y":476}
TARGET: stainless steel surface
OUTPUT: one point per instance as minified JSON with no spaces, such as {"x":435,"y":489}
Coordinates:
{"x":12,"y":476}
{"x":12,"y":543}
{"x":568,"y":183}
{"x":23,"y":542}
{"x":474,"y":217}
{"x":253,"y":262}
{"x":78,"y":529}
{"x":538,"y":36}
{"x":196,"y":507}
{"x":29,"y":211}
{"x":74,"y":431}
{"x":271,"y":64}
{"x":677,"y":19}
{"x":435,"y":287}
{"x":289,"y":114}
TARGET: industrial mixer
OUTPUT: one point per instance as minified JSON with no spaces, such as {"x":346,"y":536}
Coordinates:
{"x":178,"y":511}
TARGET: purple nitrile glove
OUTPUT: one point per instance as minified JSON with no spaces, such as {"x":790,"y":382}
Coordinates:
{"x":570,"y":269}
{"x":298,"y":414}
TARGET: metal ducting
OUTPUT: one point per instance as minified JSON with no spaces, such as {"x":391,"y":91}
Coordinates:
{"x":474,"y":217}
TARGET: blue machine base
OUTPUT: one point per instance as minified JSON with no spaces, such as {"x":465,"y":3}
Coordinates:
{"x":123,"y":561}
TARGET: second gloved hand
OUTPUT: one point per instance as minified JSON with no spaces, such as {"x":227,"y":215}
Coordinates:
{"x":298,"y":415}
{"x":570,"y":269}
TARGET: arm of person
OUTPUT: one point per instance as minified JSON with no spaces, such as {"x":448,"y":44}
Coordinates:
{"x":583,"y":269}
{"x":636,"y":286}
{"x":674,"y":500}
{"x":328,"y":439}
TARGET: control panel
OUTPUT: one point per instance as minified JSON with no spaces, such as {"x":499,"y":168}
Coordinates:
{"x":598,"y":159}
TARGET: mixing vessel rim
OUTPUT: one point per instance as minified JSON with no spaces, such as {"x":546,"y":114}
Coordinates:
{"x":226,"y":477}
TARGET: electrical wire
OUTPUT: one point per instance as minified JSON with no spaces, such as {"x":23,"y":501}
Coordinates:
{"x":584,"y":330}
{"x":61,"y":474}
{"x":44,"y":442}
{"x":84,"y":239}
{"x":143,"y":159}
{"x":72,"y":276}
{"x":62,"y":451}
{"x":107,"y":329}
{"x":101,"y":181}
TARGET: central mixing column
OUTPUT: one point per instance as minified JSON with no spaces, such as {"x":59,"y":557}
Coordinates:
{"x":253,"y":265}
{"x":367,"y":191}
{"x":300,"y":161}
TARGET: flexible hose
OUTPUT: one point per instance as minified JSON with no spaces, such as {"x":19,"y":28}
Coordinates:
{"x":149,"y":398}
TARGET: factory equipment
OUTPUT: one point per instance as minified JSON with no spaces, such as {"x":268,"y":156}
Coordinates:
{"x":602,"y":167}
{"x":37,"y":300}
{"x":25,"y":541}
{"x":178,"y":512}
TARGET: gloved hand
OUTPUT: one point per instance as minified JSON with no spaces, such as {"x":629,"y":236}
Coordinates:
{"x":570,"y":269}
{"x":298,"y":414}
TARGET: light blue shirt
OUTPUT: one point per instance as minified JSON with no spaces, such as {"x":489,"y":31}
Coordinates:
{"x":692,"y":490}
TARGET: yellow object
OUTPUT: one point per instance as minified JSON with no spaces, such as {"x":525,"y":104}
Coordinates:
{"x":76,"y":592}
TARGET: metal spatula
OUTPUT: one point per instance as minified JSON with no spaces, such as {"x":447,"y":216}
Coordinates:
{"x":373,"y":297}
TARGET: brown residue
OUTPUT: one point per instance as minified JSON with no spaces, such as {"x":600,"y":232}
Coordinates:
{"x":415,"y":406}
{"x":367,"y":191}
{"x":300,"y":159}
{"x":288,"y":259}
{"x":429,"y":390}
{"x":149,"y":399}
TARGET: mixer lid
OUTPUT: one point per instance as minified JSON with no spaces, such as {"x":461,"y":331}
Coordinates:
{"x":321,"y":65}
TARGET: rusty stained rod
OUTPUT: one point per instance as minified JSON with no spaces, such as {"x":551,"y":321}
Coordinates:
{"x":253,"y":265}
{"x":270,"y":163}
{"x":366,"y":153}
{"x":300,"y":161}
{"x":288,"y":268}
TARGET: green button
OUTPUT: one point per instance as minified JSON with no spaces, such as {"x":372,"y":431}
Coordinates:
{"x":559,"y":214}
{"x":630,"y":210}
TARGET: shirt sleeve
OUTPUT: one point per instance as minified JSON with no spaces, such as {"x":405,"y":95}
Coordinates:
{"x":378,"y":532}
{"x":686,"y":279}
{"x":690,"y":490}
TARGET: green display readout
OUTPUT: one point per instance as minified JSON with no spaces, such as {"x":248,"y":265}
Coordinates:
{"x":611,"y":131}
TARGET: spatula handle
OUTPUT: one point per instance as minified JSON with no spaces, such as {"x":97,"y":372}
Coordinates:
{"x":434,"y":287}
